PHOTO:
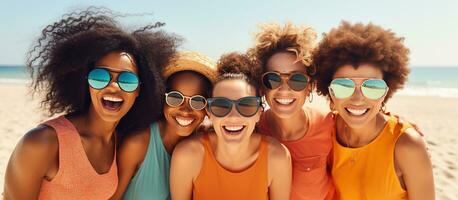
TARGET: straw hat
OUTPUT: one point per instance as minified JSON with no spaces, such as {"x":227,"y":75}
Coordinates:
{"x":193,"y":61}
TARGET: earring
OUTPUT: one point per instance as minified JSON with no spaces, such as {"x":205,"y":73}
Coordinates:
{"x":310,"y":97}
{"x":383,"y":108}
{"x":332,"y":106}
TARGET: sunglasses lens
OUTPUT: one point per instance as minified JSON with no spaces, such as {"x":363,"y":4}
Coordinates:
{"x":374,"y":89}
{"x":248,"y":106}
{"x":271,"y":80}
{"x":174,"y":99}
{"x":98,"y":78}
{"x":297,"y":82}
{"x":198,"y":102}
{"x":220,"y":107}
{"x":128,"y":81}
{"x":342,"y":88}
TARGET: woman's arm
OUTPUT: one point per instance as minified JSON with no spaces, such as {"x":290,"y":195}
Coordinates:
{"x":280,"y":172}
{"x":413,"y":161}
{"x":185,"y":167}
{"x":30,"y":164}
{"x":130,"y":155}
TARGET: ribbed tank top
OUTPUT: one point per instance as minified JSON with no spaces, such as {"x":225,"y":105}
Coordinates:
{"x":311,"y":177}
{"x":152,"y":178}
{"x":76,"y":178}
{"x":368,"y":172}
{"x":216,"y":182}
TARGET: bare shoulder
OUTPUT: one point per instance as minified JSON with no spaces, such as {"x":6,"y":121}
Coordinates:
{"x":38,"y":148}
{"x":191,"y":147}
{"x":277,"y":151}
{"x":410,"y":141}
{"x":411,"y":148}
{"x":134,"y":146}
{"x":41,"y":140}
{"x":188,"y":156}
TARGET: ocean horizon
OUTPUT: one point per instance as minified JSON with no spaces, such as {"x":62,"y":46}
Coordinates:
{"x":422,"y":81}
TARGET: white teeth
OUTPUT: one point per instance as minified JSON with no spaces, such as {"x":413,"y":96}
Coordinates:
{"x":111,"y":98}
{"x":233,"y":128}
{"x":184,"y":121}
{"x":357,"y":111}
{"x":284,"y":101}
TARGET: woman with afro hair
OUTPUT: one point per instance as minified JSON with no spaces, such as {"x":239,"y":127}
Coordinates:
{"x":359,"y":68}
{"x":104,"y":81}
{"x":285,"y":55}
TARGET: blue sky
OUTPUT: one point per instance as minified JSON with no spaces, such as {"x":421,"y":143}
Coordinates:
{"x":215,"y":27}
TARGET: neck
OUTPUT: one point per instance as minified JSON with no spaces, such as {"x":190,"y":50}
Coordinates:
{"x":233,"y":152}
{"x":288,"y":127}
{"x":170,"y":136}
{"x":361,"y":136}
{"x":90,"y":124}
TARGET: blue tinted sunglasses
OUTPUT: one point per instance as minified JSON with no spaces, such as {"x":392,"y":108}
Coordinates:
{"x":99,"y":78}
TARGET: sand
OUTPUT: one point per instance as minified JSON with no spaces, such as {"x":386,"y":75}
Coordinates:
{"x":436,"y":117}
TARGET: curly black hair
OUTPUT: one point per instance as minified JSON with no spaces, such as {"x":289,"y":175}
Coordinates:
{"x":357,"y":44}
{"x":239,"y":66}
{"x":68,"y":49}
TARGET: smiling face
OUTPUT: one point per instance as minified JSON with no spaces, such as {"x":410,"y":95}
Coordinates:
{"x":283,"y":101}
{"x":357,"y":110}
{"x":234,"y":128}
{"x":183,"y":117}
{"x":111,"y":103}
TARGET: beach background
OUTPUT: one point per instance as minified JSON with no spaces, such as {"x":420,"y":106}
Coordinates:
{"x":430,"y":99}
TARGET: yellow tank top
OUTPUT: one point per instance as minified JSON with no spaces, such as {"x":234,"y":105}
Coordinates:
{"x":368,"y":172}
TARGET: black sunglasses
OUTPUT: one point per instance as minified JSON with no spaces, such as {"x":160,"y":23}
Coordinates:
{"x":273,"y":80}
{"x":246,"y":106}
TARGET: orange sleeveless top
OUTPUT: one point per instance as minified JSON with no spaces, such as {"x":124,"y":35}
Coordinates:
{"x":311,"y":176}
{"x":216,"y":182}
{"x":368,"y":172}
{"x":76,"y":178}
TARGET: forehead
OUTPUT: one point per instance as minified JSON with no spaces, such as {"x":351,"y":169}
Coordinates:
{"x":118,"y":61}
{"x":188,"y":83}
{"x":363,"y":71}
{"x":284,"y":62}
{"x":233,"y":89}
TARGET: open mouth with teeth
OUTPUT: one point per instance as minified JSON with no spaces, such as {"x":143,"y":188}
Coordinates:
{"x":112,"y":103}
{"x":233,"y":129}
{"x":284,"y":101}
{"x":357,"y":112}
{"x":184,"y":121}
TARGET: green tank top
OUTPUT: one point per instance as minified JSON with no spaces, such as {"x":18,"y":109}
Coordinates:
{"x":152,"y":178}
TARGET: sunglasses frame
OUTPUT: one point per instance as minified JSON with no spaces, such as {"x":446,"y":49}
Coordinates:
{"x":111,"y":78}
{"x":358,"y":86}
{"x":183,"y":99}
{"x":289,"y":75}
{"x":236,"y":103}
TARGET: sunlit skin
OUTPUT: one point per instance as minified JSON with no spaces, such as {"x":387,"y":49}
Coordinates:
{"x":234,"y":151}
{"x":35,"y":158}
{"x":288,"y":119}
{"x":132,"y":152}
{"x":359,"y":130}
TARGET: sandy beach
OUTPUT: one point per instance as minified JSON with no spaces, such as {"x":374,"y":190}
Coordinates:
{"x":436,"y":117}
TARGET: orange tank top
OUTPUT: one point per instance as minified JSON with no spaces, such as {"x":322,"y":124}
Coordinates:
{"x":368,"y":172}
{"x":76,"y":178}
{"x":311,"y":176}
{"x":216,"y":182}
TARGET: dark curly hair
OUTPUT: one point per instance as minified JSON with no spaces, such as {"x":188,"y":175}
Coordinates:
{"x":273,"y":38}
{"x":239,"y":67}
{"x":68,"y":49}
{"x":357,"y":44}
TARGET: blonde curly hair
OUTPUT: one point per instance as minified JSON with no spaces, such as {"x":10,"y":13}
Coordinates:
{"x":273,"y":38}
